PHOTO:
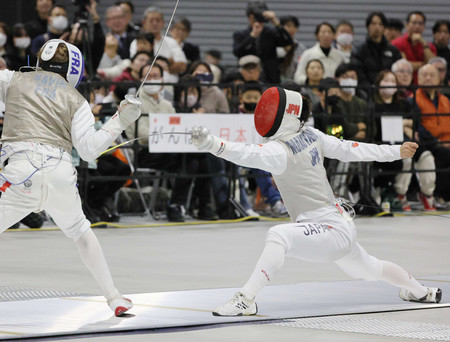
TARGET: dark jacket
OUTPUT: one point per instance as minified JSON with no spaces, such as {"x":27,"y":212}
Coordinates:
{"x":370,"y":58}
{"x":265,"y":47}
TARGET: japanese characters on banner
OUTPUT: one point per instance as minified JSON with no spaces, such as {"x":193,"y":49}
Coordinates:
{"x":231,"y":127}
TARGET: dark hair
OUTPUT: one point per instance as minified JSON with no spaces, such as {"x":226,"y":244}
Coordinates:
{"x":164,"y":59}
{"x":128,"y":3}
{"x":327,"y":83}
{"x":378,"y":79}
{"x":251,"y":85}
{"x":19,"y":30}
{"x":140,"y":53}
{"x":394,"y":23}
{"x":35,"y":3}
{"x":289,"y":19}
{"x":410,"y":14}
{"x":185,"y":22}
{"x":215,"y":53}
{"x":346,"y":23}
{"x":290,"y":84}
{"x":324,"y":23}
{"x":314,"y":60}
{"x":376,"y":14}
{"x":196,"y":64}
{"x":146,"y":36}
{"x":57,"y":6}
{"x":185,"y":82}
{"x":437,"y":25}
{"x":141,"y":70}
{"x":306,"y":108}
{"x":343,"y":68}
{"x":256,"y":7}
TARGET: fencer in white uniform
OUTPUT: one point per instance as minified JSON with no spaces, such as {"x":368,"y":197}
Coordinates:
{"x":321,"y":230}
{"x":44,"y":117}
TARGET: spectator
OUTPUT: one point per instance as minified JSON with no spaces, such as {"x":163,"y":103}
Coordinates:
{"x":232,"y":78}
{"x":153,"y":22}
{"x":324,"y":51}
{"x":441,"y":65}
{"x":261,"y":40}
{"x":356,"y":121}
{"x":20,"y":54}
{"x":213,"y":57}
{"x":393,"y":29}
{"x":344,"y":39}
{"x":289,"y":55}
{"x":187,"y":95}
{"x":412,"y":45}
{"x":314,"y":74}
{"x":434,"y":131}
{"x":128,"y":11}
{"x":441,"y":37}
{"x":180,"y":31}
{"x":57,"y":25}
{"x":403,"y":70}
{"x":38,"y":25}
{"x":212,"y":98}
{"x":250,"y":68}
{"x":117,"y":23}
{"x":394,"y":186}
{"x":376,"y":53}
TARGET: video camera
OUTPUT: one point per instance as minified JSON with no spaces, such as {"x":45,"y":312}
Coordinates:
{"x":257,"y":8}
{"x":82,"y":13}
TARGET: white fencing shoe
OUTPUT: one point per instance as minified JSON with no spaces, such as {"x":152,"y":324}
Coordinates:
{"x":120,"y":305}
{"x":434,"y":295}
{"x":239,"y":305}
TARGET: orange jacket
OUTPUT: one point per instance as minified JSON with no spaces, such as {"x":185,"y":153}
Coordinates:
{"x":438,"y":126}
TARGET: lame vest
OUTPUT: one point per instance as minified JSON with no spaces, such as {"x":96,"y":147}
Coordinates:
{"x":39,"y":107}
{"x":438,"y":126}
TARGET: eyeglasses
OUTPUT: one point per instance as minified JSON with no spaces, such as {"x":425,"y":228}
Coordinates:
{"x":403,"y":71}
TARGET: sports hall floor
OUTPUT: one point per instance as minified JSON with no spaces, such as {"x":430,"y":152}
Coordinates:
{"x":184,"y":260}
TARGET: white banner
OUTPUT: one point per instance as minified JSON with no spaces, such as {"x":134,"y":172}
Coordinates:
{"x":231,"y":127}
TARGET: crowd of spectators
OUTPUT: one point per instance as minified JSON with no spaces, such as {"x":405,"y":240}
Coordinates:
{"x":351,"y":84}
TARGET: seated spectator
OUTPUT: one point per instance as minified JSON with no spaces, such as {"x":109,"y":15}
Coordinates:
{"x":212,"y":98}
{"x":6,"y":48}
{"x":128,"y":11}
{"x":262,"y":40}
{"x":375,"y":54}
{"x":153,"y":22}
{"x":21,"y":53}
{"x":441,"y":38}
{"x":117,"y":23}
{"x":232,"y":78}
{"x":38,"y":25}
{"x":250,"y":68}
{"x":314,"y":73}
{"x":344,"y":39}
{"x":441,"y":65}
{"x":434,"y":131}
{"x":396,"y":186}
{"x":58,"y":22}
{"x":393,"y":29}
{"x":180,"y":31}
{"x":212,"y":57}
{"x":412,"y":45}
{"x":289,"y":55}
{"x":187,"y":95}
{"x":324,"y":51}
{"x":403,"y":70}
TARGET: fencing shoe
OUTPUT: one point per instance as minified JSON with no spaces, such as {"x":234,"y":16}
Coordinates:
{"x":279,"y":210}
{"x":427,"y":201}
{"x":433,"y":295}
{"x":239,"y":305}
{"x":120,"y":305}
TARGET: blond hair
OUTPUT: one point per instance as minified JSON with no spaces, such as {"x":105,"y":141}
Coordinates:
{"x":61,"y":55}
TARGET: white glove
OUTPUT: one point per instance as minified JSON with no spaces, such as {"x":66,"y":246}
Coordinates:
{"x":129,"y":111}
{"x":203,"y":140}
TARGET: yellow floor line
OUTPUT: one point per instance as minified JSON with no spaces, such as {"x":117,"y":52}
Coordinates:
{"x":11,"y":333}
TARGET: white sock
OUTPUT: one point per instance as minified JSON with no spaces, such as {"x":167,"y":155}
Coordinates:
{"x":92,"y":255}
{"x":397,"y":276}
{"x":270,"y":261}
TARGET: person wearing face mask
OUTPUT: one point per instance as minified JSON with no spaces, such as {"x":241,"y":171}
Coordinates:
{"x":6,"y":48}
{"x":38,"y":25}
{"x":57,"y":25}
{"x":344,"y":39}
{"x":375,"y":53}
{"x":212,"y":98}
{"x":21,"y":54}
{"x":395,"y":186}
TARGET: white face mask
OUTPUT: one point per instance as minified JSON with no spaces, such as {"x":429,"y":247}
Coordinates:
{"x":3,"y":39}
{"x":98,"y":98}
{"x":344,"y":38}
{"x":349,"y":82}
{"x":152,"y":89}
{"x":388,"y":91}
{"x":60,"y":22}
{"x":22,"y":43}
{"x":191,"y":100}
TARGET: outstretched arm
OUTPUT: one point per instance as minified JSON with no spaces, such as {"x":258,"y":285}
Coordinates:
{"x":270,"y":157}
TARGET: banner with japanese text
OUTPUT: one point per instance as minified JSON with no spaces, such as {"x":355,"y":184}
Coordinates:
{"x":165,"y":130}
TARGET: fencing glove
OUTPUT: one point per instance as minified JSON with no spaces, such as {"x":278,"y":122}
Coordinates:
{"x":129,"y":111}
{"x":203,"y":140}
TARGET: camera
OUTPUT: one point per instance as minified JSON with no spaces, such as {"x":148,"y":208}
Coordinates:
{"x":82,"y":13}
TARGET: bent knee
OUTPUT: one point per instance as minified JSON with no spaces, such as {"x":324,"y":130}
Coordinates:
{"x":278,"y":235}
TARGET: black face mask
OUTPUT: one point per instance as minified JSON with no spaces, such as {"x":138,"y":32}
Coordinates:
{"x":332,"y":100}
{"x":250,"y":106}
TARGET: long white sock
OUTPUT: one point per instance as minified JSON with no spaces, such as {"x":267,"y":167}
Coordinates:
{"x":270,"y":261}
{"x":397,"y":276}
{"x":92,"y":255}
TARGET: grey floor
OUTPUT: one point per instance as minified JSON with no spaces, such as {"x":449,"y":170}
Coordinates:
{"x":189,"y":257}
